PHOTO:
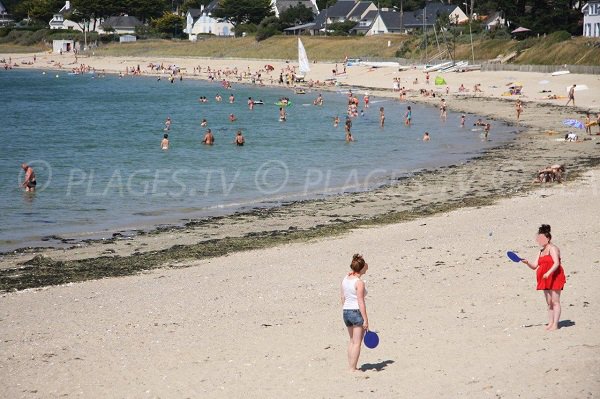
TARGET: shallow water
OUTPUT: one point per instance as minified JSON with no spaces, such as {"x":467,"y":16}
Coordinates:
{"x":95,"y":146}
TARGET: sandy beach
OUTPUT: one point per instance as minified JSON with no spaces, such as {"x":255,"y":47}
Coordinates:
{"x":456,"y":318}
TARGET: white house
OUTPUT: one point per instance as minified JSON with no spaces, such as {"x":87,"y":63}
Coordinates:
{"x":200,"y":20}
{"x":494,"y":21}
{"x":591,"y":19}
{"x":4,"y":17}
{"x":59,"y":21}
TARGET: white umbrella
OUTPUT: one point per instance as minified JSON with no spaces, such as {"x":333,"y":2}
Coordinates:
{"x":520,"y":29}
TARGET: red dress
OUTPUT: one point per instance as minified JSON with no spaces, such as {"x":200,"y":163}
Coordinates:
{"x":556,"y":281}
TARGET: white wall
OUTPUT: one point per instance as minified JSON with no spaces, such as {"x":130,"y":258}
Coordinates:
{"x":591,"y":20}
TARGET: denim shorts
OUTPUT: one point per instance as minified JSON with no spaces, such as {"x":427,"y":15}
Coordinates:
{"x":352,"y":317}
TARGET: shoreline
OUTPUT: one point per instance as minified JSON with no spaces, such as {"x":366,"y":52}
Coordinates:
{"x":479,"y":182}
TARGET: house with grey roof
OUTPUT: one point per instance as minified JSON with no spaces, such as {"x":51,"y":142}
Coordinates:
{"x":394,"y":21}
{"x":201,"y":21}
{"x":280,"y":6}
{"x":342,"y":11}
{"x":120,"y":25}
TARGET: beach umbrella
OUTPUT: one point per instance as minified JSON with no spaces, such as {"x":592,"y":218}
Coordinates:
{"x":520,"y":29}
{"x":573,"y":123}
{"x":439,"y":81}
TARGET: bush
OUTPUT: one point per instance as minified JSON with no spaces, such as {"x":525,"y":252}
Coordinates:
{"x":109,"y":38}
{"x":245,"y":28}
{"x":558,"y":36}
{"x":268,"y":27}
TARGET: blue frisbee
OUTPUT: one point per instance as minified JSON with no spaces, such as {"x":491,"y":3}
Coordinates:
{"x":513,"y":256}
{"x":371,"y":339}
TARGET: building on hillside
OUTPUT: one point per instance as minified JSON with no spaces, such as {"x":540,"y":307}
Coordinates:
{"x":5,"y":18}
{"x":342,"y":11}
{"x":591,"y":19}
{"x":200,"y":20}
{"x":60,"y":21}
{"x":494,"y":21}
{"x":280,"y":6}
{"x":120,"y":25}
{"x":393,"y":21}
{"x":62,"y":46}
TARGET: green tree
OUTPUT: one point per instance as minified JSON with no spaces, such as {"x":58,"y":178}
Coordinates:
{"x":239,"y":12}
{"x":39,"y":10}
{"x":268,"y":27}
{"x":296,"y":15}
{"x":145,"y":9}
{"x":84,"y":11}
{"x":169,"y":23}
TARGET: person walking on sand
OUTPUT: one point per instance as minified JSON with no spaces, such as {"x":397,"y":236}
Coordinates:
{"x":354,"y":310}
{"x":550,"y":274}
{"x":519,"y":109}
{"x":29,"y":181}
{"x":571,"y":95}
{"x":164,"y":143}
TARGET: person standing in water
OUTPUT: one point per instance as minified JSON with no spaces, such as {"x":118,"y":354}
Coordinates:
{"x":443,"y":110}
{"x":408,"y":116}
{"x":282,"y":115}
{"x":29,"y":181}
{"x":168,"y":124}
{"x":381,"y":117}
{"x":164,"y":144}
{"x":549,"y":274}
{"x":209,"y":138}
{"x":239,"y":139}
{"x":354,"y":309}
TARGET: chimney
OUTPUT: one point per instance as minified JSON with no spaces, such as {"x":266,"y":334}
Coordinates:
{"x":67,"y":5}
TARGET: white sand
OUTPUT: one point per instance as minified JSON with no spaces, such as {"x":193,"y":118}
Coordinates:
{"x":456,"y":318}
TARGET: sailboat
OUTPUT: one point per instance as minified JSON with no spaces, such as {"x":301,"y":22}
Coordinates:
{"x":304,"y":67}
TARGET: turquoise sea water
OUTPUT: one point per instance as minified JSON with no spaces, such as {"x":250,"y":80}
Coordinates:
{"x":95,"y":146}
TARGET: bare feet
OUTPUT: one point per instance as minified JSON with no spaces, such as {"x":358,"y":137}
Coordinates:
{"x":552,"y":327}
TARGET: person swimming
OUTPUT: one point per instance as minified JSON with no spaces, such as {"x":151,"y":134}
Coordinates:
{"x":232,"y":118}
{"x":204,"y":123}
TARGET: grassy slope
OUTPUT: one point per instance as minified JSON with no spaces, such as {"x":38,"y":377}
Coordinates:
{"x":577,"y":51}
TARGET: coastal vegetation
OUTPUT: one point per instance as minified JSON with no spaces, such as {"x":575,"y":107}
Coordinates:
{"x":554,"y":49}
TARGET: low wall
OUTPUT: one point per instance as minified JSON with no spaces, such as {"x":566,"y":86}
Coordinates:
{"x":583,"y":69}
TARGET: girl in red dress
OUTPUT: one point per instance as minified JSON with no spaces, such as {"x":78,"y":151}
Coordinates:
{"x":550,"y":274}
